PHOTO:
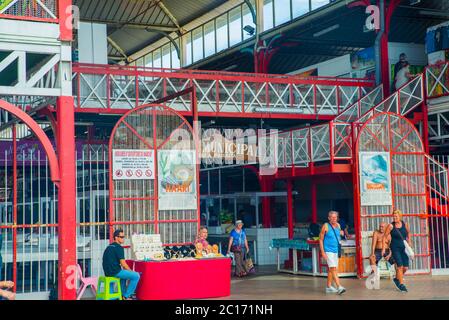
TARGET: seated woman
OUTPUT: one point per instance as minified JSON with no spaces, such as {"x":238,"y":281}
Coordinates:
{"x":202,"y":238}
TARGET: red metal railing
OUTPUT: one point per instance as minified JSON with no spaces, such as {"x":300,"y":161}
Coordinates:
{"x":116,"y":89}
{"x":333,"y":140}
{"x":437,"y":80}
{"x":34,"y":10}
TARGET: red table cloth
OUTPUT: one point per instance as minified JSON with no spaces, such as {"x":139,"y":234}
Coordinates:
{"x":191,"y":279}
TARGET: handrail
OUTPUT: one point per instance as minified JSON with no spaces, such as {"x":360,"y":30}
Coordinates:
{"x":338,"y":135}
{"x":116,"y":89}
{"x":141,"y":70}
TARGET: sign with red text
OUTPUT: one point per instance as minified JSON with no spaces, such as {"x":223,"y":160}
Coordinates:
{"x":132,"y":164}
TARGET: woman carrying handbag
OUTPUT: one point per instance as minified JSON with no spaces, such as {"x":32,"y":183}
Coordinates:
{"x":400,"y":248}
{"x":237,"y":244}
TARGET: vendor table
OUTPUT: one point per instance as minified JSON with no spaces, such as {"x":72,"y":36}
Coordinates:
{"x":346,"y":264}
{"x":183,"y":279}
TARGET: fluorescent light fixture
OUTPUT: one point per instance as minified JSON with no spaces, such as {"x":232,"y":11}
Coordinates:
{"x":433,"y":13}
{"x":279,"y":110}
{"x":327,"y":30}
{"x":249,"y":29}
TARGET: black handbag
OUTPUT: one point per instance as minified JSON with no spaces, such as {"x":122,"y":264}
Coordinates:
{"x":339,"y":245}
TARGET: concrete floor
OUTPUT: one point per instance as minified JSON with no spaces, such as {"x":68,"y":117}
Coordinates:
{"x":268,"y":284}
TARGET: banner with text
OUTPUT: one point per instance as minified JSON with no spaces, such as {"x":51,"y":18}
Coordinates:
{"x":129,"y":164}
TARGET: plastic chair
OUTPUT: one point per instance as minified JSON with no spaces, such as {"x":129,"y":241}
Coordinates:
{"x":104,"y":289}
{"x":85,"y":282}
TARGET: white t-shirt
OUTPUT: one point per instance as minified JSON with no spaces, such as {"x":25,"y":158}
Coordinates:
{"x":401,"y":77}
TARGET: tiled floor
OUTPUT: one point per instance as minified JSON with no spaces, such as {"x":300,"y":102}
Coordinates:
{"x":267,"y":284}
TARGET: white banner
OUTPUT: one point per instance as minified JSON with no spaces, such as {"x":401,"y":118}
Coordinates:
{"x":177,"y":180}
{"x":375,"y":179}
{"x":132,"y":164}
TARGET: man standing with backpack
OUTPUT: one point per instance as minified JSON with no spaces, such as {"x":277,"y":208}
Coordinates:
{"x":330,"y":237}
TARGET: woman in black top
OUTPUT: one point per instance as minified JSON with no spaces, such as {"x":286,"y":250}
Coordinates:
{"x":399,"y":231}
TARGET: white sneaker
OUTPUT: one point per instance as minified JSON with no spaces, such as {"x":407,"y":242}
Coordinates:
{"x":341,"y":290}
{"x":331,"y":290}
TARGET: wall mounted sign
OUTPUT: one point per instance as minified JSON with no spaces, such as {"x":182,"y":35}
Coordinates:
{"x":177,"y":180}
{"x":375,"y":179}
{"x":129,"y":164}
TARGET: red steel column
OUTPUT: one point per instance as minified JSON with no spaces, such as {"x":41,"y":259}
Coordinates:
{"x":290,"y":208}
{"x":425,"y":124}
{"x":266,"y":186}
{"x":314,"y":203}
{"x":384,"y":46}
{"x":14,"y":205}
{"x":65,"y":20}
{"x":385,"y":65}
{"x":66,"y":197}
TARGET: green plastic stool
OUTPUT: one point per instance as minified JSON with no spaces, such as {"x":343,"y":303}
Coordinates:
{"x":104,"y":292}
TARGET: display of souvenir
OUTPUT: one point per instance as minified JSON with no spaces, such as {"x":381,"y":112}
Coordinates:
{"x":147,"y":247}
{"x":199,"y":250}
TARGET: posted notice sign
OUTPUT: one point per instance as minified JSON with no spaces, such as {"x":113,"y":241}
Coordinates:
{"x":132,"y":164}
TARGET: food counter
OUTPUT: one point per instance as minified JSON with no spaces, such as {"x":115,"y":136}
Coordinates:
{"x":309,"y":260}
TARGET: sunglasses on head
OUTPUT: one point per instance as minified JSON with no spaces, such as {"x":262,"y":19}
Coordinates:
{"x":121,"y":237}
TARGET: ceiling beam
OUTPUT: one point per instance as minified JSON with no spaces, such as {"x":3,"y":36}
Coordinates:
{"x":180,"y":30}
{"x":113,"y":23}
{"x":118,"y":48}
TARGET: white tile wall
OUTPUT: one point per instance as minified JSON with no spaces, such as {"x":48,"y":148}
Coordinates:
{"x":265,"y":256}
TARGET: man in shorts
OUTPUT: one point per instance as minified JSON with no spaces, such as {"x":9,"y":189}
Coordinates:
{"x":379,"y":238}
{"x":330,"y":237}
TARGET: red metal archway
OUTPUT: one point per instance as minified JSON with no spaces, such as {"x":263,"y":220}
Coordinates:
{"x":144,"y":205}
{"x":40,"y":134}
{"x":61,"y":172}
{"x":395,"y":139}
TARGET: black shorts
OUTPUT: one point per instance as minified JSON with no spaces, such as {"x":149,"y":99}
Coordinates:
{"x":378,"y":254}
{"x":400,"y":257}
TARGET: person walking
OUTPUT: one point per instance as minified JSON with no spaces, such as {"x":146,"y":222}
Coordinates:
{"x":237,"y":244}
{"x":330,"y":237}
{"x":399,"y":231}
{"x":403,"y":76}
{"x":114,"y":265}
{"x":398,"y":66}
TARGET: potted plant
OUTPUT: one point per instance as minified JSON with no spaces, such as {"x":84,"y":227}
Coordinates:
{"x":225,"y":219}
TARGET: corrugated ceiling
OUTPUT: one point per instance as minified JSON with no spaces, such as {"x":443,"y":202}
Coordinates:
{"x":127,"y":19}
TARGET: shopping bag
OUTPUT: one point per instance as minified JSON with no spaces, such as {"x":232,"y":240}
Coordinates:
{"x":409,"y":251}
{"x":249,"y":265}
{"x":373,"y":280}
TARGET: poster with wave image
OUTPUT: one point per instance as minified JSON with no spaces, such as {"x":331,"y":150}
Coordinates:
{"x":177,"y":180}
{"x":375,"y":179}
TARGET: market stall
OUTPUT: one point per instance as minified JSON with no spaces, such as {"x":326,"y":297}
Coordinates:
{"x":154,"y":198}
{"x":308,"y":258}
